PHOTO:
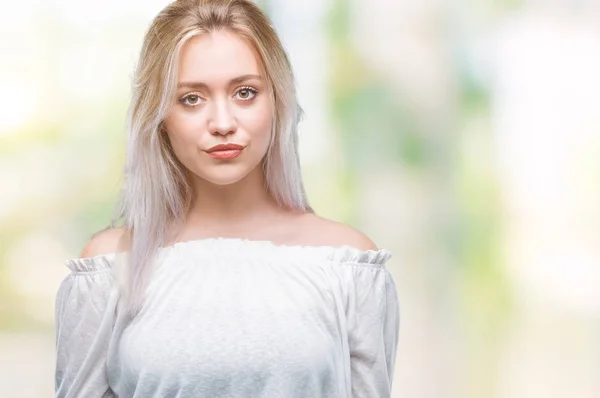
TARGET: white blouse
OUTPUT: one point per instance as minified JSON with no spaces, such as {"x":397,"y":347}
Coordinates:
{"x":236,"y":318}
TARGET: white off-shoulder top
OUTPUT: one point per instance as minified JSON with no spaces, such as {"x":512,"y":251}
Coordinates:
{"x":235,"y":318}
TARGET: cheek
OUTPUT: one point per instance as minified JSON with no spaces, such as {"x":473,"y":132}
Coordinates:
{"x":258,"y":124}
{"x":182,"y":125}
{"x":182,"y":141}
{"x":178,"y":142}
{"x":181,"y":131}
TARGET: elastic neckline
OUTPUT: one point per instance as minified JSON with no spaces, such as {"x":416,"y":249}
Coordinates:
{"x":243,"y":246}
{"x":266,"y":243}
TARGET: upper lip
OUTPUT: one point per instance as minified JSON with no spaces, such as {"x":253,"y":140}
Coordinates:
{"x":224,"y":147}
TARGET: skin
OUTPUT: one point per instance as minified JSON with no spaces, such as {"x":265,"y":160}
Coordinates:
{"x":231,"y":197}
{"x":232,"y":201}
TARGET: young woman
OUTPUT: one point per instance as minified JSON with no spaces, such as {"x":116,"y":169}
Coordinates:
{"x":222,"y":281}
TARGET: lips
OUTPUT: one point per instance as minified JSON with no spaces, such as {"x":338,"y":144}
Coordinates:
{"x":225,"y":147}
{"x":225,"y":151}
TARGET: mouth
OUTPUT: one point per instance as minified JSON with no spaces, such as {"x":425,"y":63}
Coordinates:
{"x":225,"y":151}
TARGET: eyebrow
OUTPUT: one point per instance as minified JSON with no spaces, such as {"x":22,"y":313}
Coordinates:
{"x":235,"y":80}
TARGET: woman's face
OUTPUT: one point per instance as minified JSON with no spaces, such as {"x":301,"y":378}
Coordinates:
{"x":222,"y":98}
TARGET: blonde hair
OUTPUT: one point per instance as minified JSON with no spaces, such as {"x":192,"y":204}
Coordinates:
{"x":156,"y":192}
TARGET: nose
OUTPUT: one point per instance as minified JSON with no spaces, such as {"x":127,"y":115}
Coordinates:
{"x":221,"y":119}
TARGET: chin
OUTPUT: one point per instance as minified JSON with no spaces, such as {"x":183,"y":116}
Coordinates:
{"x":223,"y":181}
{"x":224,"y":175}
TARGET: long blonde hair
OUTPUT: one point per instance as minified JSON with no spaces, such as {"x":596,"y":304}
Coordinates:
{"x":155,"y":192}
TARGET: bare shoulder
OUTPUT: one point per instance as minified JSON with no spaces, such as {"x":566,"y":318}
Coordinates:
{"x":109,"y":240}
{"x":324,"y":232}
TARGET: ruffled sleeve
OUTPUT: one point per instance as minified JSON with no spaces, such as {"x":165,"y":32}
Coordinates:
{"x":372,"y":322}
{"x":85,"y":308}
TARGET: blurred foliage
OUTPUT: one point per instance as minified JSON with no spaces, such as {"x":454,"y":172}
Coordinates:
{"x":374,"y":127}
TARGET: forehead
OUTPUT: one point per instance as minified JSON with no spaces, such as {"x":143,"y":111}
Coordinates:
{"x":217,"y":57}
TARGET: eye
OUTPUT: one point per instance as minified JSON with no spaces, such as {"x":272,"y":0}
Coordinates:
{"x":246,"y":93}
{"x":190,"y":100}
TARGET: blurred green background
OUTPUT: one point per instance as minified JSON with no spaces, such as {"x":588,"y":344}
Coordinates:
{"x":462,"y":136}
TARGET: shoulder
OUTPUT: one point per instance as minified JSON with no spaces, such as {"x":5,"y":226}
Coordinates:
{"x":109,"y":240}
{"x":324,"y":232}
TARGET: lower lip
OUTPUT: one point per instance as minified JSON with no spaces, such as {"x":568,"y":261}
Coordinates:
{"x":228,"y":154}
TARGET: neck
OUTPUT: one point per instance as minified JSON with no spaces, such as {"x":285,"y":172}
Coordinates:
{"x":233,"y":205}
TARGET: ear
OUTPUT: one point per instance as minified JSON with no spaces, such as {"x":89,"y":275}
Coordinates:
{"x":162,"y":129}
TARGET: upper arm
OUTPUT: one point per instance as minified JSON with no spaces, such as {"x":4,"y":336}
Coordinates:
{"x":85,"y":313}
{"x":107,"y":241}
{"x":372,"y":320}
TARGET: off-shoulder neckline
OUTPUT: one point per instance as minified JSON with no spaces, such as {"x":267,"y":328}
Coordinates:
{"x":341,"y":253}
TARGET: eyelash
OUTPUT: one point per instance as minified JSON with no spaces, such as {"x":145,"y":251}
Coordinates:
{"x":249,"y":88}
